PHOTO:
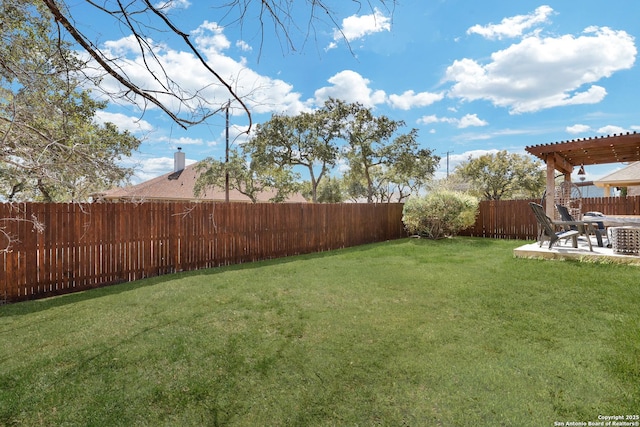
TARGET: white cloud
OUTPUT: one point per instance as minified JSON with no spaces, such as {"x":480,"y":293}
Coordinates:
{"x":514,"y":26}
{"x":472,"y":154}
{"x":540,"y":73}
{"x":468,"y":120}
{"x":210,"y":36}
{"x":261,"y":94}
{"x":330,"y":46}
{"x":611,"y":130}
{"x":244,"y":46}
{"x":238,"y":135}
{"x":149,"y":168}
{"x":172,"y":4}
{"x":489,"y":135}
{"x":184,"y":141}
{"x":410,"y":99}
{"x":471,"y":120}
{"x":356,"y":27}
{"x":427,"y":120}
{"x":126,"y":45}
{"x":123,"y":122}
{"x":456,"y":159}
{"x":350,"y":86}
{"x":578,"y":128}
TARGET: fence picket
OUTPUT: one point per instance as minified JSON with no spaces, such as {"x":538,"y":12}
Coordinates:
{"x":82,"y":246}
{"x":513,"y":219}
{"x":89,"y":245}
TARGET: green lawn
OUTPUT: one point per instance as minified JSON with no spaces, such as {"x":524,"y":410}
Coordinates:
{"x":411,"y":332}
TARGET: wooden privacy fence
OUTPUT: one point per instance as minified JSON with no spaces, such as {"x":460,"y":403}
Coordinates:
{"x":59,"y":248}
{"x":504,"y":219}
{"x":513,"y":219}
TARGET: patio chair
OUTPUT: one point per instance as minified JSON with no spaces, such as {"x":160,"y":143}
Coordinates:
{"x":582,"y":226}
{"x":547,"y":228}
{"x":604,"y":230}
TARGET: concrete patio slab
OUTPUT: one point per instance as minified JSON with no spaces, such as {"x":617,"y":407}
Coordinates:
{"x":564,"y":250}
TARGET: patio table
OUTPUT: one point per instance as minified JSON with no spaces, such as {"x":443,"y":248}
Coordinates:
{"x":614,"y":220}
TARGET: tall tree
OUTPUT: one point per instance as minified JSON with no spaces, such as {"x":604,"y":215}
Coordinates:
{"x":330,"y":191}
{"x":383,"y":164}
{"x":50,"y":147}
{"x":246,"y":176}
{"x":379,"y":157}
{"x":306,"y":140}
{"x":409,"y":170}
{"x":502,"y":175}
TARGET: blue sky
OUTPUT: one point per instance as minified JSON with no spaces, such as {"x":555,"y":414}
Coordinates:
{"x":472,"y":76}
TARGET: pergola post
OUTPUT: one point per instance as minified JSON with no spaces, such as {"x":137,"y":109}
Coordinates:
{"x":551,"y":185}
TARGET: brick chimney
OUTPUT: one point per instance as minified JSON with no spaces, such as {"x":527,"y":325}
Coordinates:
{"x":178,"y":160}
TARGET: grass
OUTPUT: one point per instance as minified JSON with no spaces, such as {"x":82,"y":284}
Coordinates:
{"x":409,"y":332}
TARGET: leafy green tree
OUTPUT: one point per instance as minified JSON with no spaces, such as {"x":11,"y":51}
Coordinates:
{"x":246,"y":176}
{"x":369,"y":145}
{"x":378,"y":157}
{"x":502,"y":175}
{"x":306,"y":140}
{"x":330,"y":190}
{"x":354,"y":185}
{"x":409,"y":172}
{"x":383,"y":165}
{"x":50,"y":147}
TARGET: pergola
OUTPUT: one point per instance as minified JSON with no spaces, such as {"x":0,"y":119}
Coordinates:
{"x":564,"y":156}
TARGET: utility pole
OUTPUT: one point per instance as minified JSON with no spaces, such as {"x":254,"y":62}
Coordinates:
{"x":226,"y":155}
{"x":448,"y":152}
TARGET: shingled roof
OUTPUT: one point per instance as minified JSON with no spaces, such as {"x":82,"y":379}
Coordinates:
{"x":178,"y":186}
{"x":628,"y":176}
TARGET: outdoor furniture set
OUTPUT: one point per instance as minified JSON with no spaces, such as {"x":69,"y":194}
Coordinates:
{"x":622,"y":232}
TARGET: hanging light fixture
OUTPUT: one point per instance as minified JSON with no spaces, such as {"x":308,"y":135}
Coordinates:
{"x":581,"y":173}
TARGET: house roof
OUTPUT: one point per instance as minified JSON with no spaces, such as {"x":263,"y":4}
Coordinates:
{"x":178,"y":186}
{"x":627,"y":176}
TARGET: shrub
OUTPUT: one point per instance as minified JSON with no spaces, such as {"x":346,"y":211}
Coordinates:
{"x":439,"y":214}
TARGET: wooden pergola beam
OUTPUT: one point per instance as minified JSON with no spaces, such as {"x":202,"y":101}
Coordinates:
{"x":564,"y":156}
{"x":592,"y":151}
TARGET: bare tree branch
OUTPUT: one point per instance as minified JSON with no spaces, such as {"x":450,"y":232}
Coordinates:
{"x":97,"y":55}
{"x":137,"y":18}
